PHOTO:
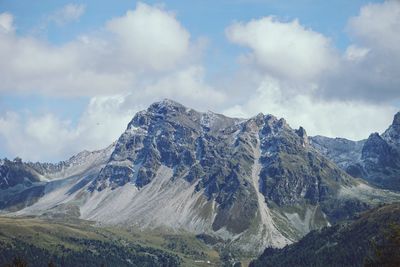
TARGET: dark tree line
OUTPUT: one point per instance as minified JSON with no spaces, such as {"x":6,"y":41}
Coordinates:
{"x":88,"y":252}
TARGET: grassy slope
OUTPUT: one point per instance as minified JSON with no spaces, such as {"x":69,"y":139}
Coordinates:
{"x":26,"y":237}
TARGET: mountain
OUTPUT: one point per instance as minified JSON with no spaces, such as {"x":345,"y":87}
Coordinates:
{"x":373,"y":239}
{"x":376,"y":159}
{"x":251,"y":183}
{"x":22,"y":184}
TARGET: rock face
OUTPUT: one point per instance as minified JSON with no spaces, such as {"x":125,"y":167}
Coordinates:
{"x":392,"y":134}
{"x":376,"y":159}
{"x":20,"y":185}
{"x":340,"y":150}
{"x":15,"y":172}
{"x":253,"y":183}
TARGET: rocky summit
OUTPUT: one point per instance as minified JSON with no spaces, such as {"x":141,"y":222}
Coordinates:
{"x":252,"y":183}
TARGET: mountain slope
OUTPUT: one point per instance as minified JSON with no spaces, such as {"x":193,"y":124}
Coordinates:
{"x":376,"y":159}
{"x":252,"y":183}
{"x":352,"y":244}
{"x":22,"y":184}
{"x":39,"y":242}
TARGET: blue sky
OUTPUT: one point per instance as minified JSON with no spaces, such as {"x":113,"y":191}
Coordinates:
{"x":218,"y":58}
{"x":202,"y":18}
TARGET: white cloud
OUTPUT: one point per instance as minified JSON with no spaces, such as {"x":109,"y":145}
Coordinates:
{"x":355,"y":53}
{"x":6,"y":22}
{"x":137,"y":48}
{"x":369,"y":70}
{"x":145,"y":55}
{"x":48,"y":138}
{"x":378,"y":25}
{"x":350,"y":119}
{"x":284,"y":49}
{"x":68,"y":13}
{"x":150,"y":36}
{"x":34,"y":138}
{"x":186,"y":86}
{"x":366,"y":72}
{"x":138,"y":58}
{"x":104,"y":120}
{"x":304,"y":79}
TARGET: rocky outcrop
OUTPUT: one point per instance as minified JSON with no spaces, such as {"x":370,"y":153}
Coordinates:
{"x":376,"y":159}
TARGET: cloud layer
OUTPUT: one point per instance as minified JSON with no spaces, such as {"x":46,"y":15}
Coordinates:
{"x":284,"y":49}
{"x":301,"y":76}
{"x":146,"y":54}
{"x":46,"y":137}
{"x":149,"y":37}
{"x":136,"y":59}
{"x":370,"y":73}
{"x":127,"y":54}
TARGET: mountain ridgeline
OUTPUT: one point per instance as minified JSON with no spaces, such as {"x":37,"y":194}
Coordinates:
{"x":376,"y":159}
{"x":252,"y":183}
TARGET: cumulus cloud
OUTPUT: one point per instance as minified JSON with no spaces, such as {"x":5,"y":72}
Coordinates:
{"x":355,"y":53}
{"x":187,"y":86}
{"x":130,"y":51}
{"x":136,"y":59}
{"x":302,"y":77}
{"x":284,"y":49}
{"x":68,"y":13}
{"x":150,"y":36}
{"x":6,"y":23}
{"x":369,"y":69}
{"x":318,"y":116}
{"x":378,"y":25}
{"x":32,"y":138}
{"x":46,"y":137}
{"x":146,"y":54}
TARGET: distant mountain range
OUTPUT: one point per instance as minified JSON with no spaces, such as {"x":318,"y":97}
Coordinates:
{"x":376,"y":159}
{"x":252,"y":183}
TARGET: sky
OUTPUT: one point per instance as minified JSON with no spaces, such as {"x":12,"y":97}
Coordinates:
{"x":74,"y":73}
